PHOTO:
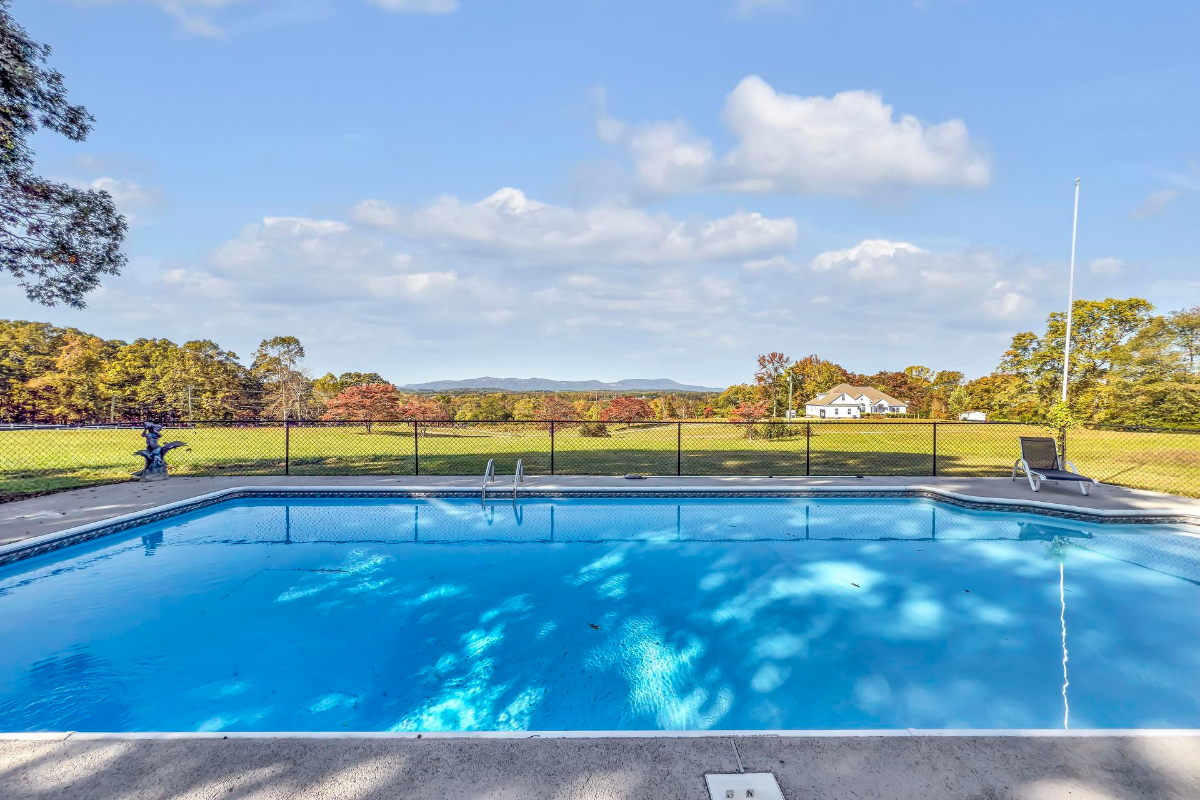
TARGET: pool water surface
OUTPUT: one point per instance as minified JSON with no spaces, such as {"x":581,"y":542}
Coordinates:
{"x":604,"y":614}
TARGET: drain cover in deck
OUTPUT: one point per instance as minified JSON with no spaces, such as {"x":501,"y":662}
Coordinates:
{"x":752,"y":785}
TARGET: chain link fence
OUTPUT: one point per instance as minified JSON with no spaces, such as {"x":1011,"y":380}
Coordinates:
{"x":44,"y":459}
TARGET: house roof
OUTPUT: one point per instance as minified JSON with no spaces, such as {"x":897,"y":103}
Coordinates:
{"x":874,"y":395}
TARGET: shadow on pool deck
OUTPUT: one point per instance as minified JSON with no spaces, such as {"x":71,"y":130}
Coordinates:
{"x":902,"y":767}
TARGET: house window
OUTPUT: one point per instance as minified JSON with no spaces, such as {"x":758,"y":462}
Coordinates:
{"x":822,"y":413}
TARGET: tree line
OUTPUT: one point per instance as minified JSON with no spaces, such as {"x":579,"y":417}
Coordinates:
{"x":1129,"y":366}
{"x":51,"y":374}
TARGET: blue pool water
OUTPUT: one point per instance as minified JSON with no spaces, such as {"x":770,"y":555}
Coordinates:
{"x":588,"y":614}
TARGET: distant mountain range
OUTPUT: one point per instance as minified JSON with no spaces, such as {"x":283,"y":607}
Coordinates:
{"x":548,"y":385}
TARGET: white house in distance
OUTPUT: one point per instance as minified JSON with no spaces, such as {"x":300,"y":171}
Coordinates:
{"x":851,"y":402}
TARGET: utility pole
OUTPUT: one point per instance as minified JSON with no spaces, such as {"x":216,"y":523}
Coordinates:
{"x":789,"y":395}
{"x":112,"y":409}
{"x":189,"y":401}
{"x":1070,"y":298}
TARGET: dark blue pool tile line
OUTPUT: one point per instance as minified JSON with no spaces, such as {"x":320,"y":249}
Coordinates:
{"x":34,"y":549}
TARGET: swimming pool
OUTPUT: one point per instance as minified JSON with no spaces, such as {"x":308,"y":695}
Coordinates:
{"x":571,"y":614}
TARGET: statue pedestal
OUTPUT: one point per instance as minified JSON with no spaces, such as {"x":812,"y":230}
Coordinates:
{"x":150,"y":474}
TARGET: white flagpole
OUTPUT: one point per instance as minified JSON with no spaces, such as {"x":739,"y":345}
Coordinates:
{"x":1070,"y":297}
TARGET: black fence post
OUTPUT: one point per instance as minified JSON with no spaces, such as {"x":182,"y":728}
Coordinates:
{"x":416,"y":449}
{"x":807,"y":449}
{"x":678,"y":449}
{"x":551,"y":447}
{"x":287,"y":447}
{"x":935,"y":449}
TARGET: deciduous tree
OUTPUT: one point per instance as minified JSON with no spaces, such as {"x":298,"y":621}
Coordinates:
{"x":58,"y":241}
{"x":626,"y":408}
{"x":1185,"y":324}
{"x":769,"y":377}
{"x":279,"y":366}
{"x":750,"y":411}
{"x":554,"y":408}
{"x":812,"y":375}
{"x":374,"y":401}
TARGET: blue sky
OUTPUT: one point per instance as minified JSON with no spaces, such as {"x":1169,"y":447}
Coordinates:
{"x":609,"y":189}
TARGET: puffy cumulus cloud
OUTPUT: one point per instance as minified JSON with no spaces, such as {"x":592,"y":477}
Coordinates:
{"x":869,"y":258}
{"x":508,"y":223}
{"x":363,"y":297}
{"x":971,"y":286}
{"x":302,"y":261}
{"x":849,"y":144}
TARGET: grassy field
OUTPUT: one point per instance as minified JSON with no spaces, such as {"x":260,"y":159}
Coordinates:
{"x":42,"y":460}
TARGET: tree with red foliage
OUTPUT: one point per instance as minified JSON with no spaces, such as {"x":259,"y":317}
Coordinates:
{"x":421,"y":410}
{"x":375,"y":401}
{"x":748,"y":412}
{"x":555,"y":409}
{"x":627,"y":409}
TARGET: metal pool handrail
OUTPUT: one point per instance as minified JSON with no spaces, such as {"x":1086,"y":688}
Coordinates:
{"x":489,"y":475}
{"x":518,"y":477}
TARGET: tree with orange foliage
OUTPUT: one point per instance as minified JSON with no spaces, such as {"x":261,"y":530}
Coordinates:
{"x":418,"y":409}
{"x":375,"y":401}
{"x":627,"y":409}
{"x":555,"y":409}
{"x":749,"y":412}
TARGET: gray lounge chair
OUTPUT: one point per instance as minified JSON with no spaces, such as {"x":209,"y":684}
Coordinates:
{"x":1039,"y":460}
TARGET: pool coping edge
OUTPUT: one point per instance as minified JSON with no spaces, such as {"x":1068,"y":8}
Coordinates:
{"x":992,"y":733}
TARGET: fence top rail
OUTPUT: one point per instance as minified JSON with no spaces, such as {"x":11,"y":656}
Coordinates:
{"x":234,"y":423}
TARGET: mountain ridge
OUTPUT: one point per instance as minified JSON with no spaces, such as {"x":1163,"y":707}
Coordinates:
{"x":550,"y":385}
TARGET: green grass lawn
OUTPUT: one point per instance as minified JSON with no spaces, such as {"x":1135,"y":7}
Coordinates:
{"x":35,"y":461}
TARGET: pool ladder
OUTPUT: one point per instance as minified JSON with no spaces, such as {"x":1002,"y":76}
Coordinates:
{"x":489,"y":476}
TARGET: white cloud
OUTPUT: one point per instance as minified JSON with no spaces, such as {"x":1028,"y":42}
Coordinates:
{"x":1107,"y":266}
{"x":360,"y":300}
{"x":849,"y":144}
{"x":216,"y":19}
{"x":416,"y":283}
{"x":900,"y":280}
{"x":508,"y":223}
{"x":193,"y":16}
{"x":127,"y":195}
{"x":669,"y":159}
{"x":418,"y":6}
{"x":869,"y":258}
{"x":1155,"y":205}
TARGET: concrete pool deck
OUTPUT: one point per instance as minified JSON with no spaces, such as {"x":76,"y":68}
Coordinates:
{"x":1095,"y":765}
{"x":649,"y":768}
{"x":40,"y":516}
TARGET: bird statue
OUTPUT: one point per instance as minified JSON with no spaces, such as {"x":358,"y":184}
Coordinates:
{"x":156,"y":465}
